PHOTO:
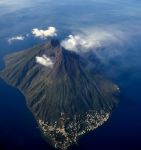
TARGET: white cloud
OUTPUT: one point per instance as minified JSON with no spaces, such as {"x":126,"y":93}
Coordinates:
{"x":91,"y":39}
{"x":79,"y":43}
{"x":44,"y":60}
{"x":50,"y":32}
{"x":16,"y":38}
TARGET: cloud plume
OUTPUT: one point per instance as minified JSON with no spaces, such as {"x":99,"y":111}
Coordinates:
{"x":50,"y":32}
{"x":44,"y":60}
{"x":16,"y":38}
{"x":92,"y":39}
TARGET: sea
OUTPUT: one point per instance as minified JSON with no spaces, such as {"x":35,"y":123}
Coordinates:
{"x":116,"y":26}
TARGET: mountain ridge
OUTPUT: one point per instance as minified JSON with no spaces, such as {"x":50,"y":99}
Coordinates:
{"x":61,"y":97}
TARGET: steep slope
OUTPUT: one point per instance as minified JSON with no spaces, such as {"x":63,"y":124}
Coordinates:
{"x":66,"y":98}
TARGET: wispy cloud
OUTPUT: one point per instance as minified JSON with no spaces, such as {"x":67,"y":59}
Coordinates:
{"x":44,"y":60}
{"x":79,"y":43}
{"x":91,"y":39}
{"x":50,"y":32}
{"x":16,"y":38}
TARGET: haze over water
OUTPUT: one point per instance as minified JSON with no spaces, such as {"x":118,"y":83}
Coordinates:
{"x":115,"y":26}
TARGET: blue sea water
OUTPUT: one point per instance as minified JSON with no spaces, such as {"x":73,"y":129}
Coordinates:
{"x":18,"y":129}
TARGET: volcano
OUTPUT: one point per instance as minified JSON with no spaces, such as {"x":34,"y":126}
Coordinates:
{"x":66,"y":98}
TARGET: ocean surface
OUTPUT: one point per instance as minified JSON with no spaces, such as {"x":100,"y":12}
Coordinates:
{"x":18,"y":128}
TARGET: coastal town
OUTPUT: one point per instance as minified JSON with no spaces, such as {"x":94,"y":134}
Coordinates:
{"x":66,"y":131}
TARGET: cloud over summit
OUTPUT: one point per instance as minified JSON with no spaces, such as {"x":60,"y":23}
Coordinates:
{"x":79,"y":43}
{"x":92,"y":39}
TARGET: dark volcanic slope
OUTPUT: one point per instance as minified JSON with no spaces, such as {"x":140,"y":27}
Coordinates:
{"x":68,"y":91}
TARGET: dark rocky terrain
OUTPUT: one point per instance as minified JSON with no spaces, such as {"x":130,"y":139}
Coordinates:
{"x":67,"y":99}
